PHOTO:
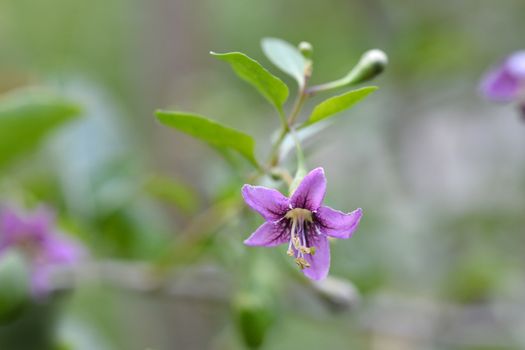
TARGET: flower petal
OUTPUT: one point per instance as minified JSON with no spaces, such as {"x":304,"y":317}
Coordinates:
{"x":337,"y":224}
{"x":516,"y":64}
{"x":41,"y":223}
{"x":500,"y":85}
{"x":10,"y":226}
{"x":310,"y":192}
{"x":270,"y":203}
{"x":269,"y":234}
{"x":61,"y":250}
{"x":320,"y":261}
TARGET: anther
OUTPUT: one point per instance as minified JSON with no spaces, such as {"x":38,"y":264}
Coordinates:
{"x":302,"y":263}
{"x":306,"y":250}
{"x":290,"y":252}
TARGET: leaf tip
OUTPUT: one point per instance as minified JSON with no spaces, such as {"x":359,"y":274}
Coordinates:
{"x":161,"y":114}
{"x":74,"y":110}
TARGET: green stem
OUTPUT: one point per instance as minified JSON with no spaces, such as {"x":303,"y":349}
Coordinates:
{"x":298,"y":104}
{"x":298,"y":149}
{"x":287,"y":125}
{"x":282,"y":117}
{"x":328,"y":86}
{"x":274,"y":154}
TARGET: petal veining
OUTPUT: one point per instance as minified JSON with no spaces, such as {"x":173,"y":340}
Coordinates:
{"x":337,"y":224}
{"x":310,"y":192}
{"x":270,"y":203}
{"x":269,"y":234}
{"x":320,"y":261}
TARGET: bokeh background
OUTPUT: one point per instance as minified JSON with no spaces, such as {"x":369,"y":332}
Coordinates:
{"x":438,"y":260}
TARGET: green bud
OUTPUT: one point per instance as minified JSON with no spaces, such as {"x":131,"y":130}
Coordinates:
{"x":306,"y":49}
{"x":254,"y":317}
{"x":14,"y":290}
{"x":371,"y":64}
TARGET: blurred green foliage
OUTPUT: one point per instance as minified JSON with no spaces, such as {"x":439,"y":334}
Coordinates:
{"x":438,"y":173}
{"x":26,"y":117}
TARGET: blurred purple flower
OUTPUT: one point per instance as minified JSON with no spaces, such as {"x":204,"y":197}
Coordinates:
{"x":506,"y":82}
{"x":35,"y":235}
{"x":301,"y":221}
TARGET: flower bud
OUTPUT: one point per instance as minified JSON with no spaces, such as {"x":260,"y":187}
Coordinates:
{"x":14,"y":290}
{"x":371,"y":64}
{"x":254,"y":318}
{"x":521,"y":108}
{"x":339,"y":294}
{"x":306,"y":49}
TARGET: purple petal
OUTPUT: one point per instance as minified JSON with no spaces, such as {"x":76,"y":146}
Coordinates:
{"x":310,"y":192}
{"x":41,"y":223}
{"x":10,"y":226}
{"x":516,"y":64}
{"x":337,"y":224}
{"x":269,"y":234}
{"x":320,"y":261}
{"x":499,"y":85}
{"x":270,"y":203}
{"x":61,"y":250}
{"x":55,"y":251}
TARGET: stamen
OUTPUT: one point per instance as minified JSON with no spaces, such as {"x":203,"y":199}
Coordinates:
{"x":302,"y":263}
{"x":296,"y":242}
{"x":307,"y":250}
{"x":301,"y":219}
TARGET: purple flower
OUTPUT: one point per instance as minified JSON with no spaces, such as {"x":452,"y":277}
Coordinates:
{"x":506,"y":82}
{"x":36,"y":237}
{"x":301,"y":221}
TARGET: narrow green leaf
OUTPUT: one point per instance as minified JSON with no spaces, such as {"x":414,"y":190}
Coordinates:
{"x":210,"y":131}
{"x":286,"y":57}
{"x":339,"y":103}
{"x":248,"y":69}
{"x":26,"y":117}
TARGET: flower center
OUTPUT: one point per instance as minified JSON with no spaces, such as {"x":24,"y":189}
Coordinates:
{"x":298,"y":247}
{"x":28,"y":245}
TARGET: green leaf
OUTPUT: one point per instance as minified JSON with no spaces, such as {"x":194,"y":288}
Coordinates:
{"x":26,"y":117}
{"x":210,"y":131}
{"x":286,"y":57}
{"x":339,"y":103}
{"x":271,"y":87}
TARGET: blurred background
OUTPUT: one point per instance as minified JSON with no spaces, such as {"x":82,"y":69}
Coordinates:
{"x":438,"y":260}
